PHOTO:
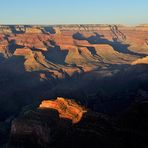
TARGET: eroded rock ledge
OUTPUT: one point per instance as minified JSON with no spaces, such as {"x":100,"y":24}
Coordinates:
{"x":67,"y":108}
{"x":43,"y":128}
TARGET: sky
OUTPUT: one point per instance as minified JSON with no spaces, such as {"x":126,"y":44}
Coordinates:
{"x":130,"y":12}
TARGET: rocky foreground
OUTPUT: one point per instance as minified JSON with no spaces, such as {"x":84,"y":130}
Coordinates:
{"x":45,"y":128}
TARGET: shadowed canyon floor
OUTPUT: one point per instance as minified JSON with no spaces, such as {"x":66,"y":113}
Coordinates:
{"x":103,"y":67}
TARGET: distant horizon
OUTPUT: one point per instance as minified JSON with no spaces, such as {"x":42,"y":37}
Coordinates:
{"x":73,"y":24}
{"x":55,"y":12}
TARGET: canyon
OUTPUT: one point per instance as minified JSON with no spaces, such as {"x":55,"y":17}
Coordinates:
{"x":102,"y":67}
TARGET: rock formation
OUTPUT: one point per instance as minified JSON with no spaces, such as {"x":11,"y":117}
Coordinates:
{"x":67,"y":108}
{"x":44,"y":128}
{"x":141,"y":61}
{"x":33,"y":30}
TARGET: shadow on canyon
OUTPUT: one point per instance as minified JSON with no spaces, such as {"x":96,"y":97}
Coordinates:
{"x":109,"y":94}
{"x":13,"y":46}
{"x":50,"y":30}
{"x":55,"y":54}
{"x":112,"y":94}
{"x":15,"y":31}
{"x":106,"y":90}
{"x":22,"y":29}
{"x":99,"y":39}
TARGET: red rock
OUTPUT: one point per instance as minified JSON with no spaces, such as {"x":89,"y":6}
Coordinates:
{"x":66,"y":108}
{"x":141,"y":61}
{"x":35,"y":42}
{"x":22,"y":52}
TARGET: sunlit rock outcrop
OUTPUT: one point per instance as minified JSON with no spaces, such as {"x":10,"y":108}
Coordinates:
{"x":5,"y":29}
{"x":67,"y":108}
{"x":33,"y":30}
{"x":141,"y":61}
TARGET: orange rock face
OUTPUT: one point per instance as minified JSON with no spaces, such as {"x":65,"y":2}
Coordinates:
{"x":141,"y":61}
{"x":67,"y":108}
{"x":33,"y":30}
{"x":69,"y":50}
{"x":22,"y":51}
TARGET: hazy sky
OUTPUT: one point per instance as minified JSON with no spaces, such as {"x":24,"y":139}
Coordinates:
{"x":73,"y":11}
